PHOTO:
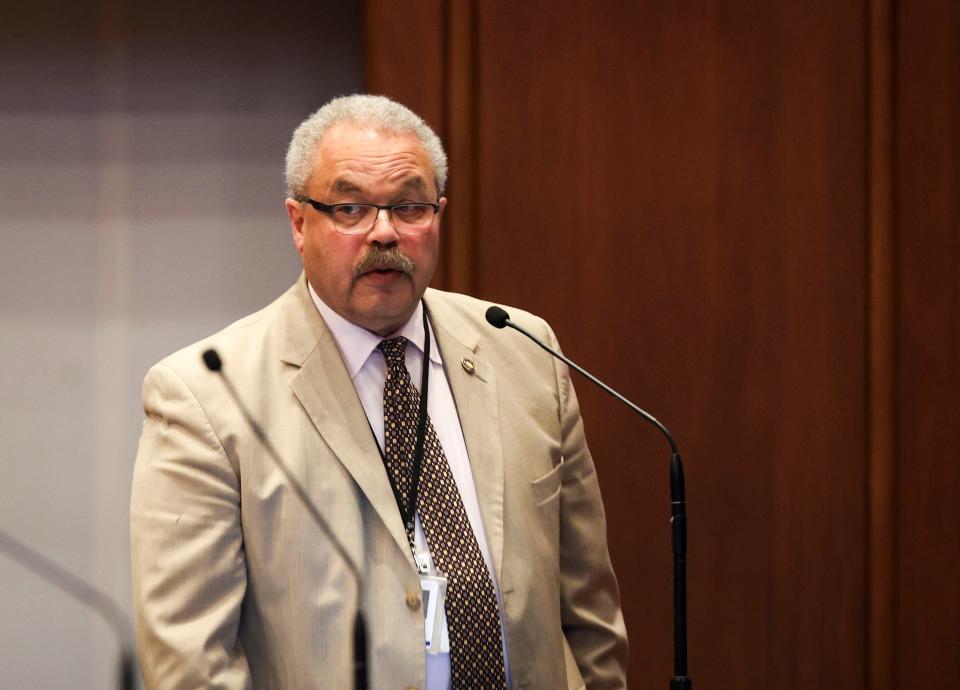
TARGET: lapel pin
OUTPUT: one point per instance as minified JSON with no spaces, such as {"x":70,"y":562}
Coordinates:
{"x":468,"y":366}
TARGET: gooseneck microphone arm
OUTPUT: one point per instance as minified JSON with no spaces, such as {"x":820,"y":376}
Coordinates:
{"x":360,"y":673}
{"x":498,"y":318}
{"x":90,"y":596}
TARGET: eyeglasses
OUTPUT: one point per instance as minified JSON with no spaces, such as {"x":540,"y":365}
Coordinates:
{"x":359,"y":219}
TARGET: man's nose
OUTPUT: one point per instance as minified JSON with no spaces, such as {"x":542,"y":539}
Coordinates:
{"x":383,"y":230}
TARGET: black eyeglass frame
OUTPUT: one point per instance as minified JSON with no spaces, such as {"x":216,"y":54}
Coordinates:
{"x":330,"y":208}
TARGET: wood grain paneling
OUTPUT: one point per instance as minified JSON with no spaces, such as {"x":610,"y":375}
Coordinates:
{"x":679,"y":189}
{"x":423,"y":55}
{"x":745,"y":215}
{"x":881,"y":351}
{"x":406,"y":55}
{"x":928,"y":216}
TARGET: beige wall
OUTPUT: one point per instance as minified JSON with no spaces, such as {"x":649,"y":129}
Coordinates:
{"x":140,"y":209}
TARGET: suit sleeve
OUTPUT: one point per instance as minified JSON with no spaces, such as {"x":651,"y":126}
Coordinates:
{"x":189,"y":575}
{"x":590,"y":598}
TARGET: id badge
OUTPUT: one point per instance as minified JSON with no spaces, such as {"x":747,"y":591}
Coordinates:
{"x":433,"y":590}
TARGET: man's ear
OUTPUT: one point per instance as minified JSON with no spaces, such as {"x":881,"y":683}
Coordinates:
{"x":295,"y":214}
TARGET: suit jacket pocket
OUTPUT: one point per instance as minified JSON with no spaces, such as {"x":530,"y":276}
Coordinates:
{"x":546,"y":488}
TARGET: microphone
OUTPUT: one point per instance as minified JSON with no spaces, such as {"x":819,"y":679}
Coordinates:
{"x":499,"y":318}
{"x":86,"y":594}
{"x":360,"y":673}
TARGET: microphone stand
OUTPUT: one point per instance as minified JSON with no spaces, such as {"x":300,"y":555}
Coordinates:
{"x":88,"y":595}
{"x":360,"y":671}
{"x":499,"y":318}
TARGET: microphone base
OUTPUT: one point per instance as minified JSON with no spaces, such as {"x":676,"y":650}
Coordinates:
{"x":127,"y":671}
{"x":680,"y":683}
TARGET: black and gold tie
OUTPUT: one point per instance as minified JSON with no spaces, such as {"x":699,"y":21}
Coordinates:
{"x":473,"y":618}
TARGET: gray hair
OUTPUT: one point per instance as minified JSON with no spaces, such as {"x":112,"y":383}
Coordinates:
{"x":361,"y":109}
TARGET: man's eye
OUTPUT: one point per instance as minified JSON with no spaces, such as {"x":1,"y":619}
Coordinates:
{"x":350,"y":210}
{"x":411,"y":211}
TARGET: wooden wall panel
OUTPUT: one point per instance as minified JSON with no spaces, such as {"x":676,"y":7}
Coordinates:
{"x":928,"y":185}
{"x":881,"y":350}
{"x":412,"y":71}
{"x":745,"y":215}
{"x":679,"y":189}
{"x":423,"y":55}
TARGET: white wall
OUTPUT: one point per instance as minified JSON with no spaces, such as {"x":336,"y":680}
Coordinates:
{"x":140,"y":209}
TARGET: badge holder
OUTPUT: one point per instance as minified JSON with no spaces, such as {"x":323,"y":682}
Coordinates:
{"x":433,"y":590}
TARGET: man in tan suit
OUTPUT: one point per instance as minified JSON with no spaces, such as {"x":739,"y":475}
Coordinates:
{"x":234,"y":584}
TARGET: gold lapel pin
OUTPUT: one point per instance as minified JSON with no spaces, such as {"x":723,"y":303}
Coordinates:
{"x":468,"y":366}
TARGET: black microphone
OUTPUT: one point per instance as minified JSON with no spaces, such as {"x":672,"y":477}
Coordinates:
{"x":86,"y":594}
{"x":499,"y":318}
{"x":360,"y":673}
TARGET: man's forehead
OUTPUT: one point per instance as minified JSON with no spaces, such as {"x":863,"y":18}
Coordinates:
{"x":351,"y":157}
{"x":347,"y":185}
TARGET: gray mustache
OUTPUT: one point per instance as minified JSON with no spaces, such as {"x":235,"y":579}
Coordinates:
{"x":385,"y":259}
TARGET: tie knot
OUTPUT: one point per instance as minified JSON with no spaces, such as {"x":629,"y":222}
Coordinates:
{"x":393,"y":351}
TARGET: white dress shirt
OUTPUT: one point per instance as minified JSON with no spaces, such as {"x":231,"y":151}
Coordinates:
{"x":368,"y":371}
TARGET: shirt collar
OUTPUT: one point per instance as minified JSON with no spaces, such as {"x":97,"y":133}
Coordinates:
{"x":356,"y":343}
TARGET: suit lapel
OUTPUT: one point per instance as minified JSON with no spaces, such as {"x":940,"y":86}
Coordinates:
{"x":474,"y":389}
{"x":324,"y":389}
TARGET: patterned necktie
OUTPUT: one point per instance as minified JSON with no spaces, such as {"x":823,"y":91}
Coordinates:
{"x":473,"y":618}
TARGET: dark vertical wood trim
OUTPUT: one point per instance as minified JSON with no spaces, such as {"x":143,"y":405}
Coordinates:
{"x":417,"y":76}
{"x":460,"y":229}
{"x":393,"y":68}
{"x":444,"y":94}
{"x":881,"y":319}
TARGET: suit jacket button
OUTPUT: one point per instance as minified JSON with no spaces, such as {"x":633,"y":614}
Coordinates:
{"x":413,"y":601}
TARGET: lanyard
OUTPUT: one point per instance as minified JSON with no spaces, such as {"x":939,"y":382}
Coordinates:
{"x":408,"y":511}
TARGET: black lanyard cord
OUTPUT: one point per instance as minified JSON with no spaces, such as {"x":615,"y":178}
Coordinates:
{"x":421,"y":424}
{"x":408,"y":511}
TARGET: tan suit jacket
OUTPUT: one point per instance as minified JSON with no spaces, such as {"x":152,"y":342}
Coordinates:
{"x":234,"y":585}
